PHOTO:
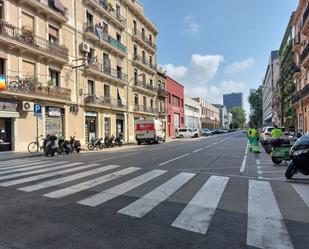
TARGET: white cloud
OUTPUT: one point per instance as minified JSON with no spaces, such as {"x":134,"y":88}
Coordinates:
{"x":240,"y":66}
{"x":191,"y":25}
{"x":198,"y":73}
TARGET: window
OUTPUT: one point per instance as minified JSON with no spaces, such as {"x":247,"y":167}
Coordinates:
{"x":143,"y":33}
{"x":106,"y":63}
{"x":151,"y":82}
{"x":182,"y":120}
{"x":107,"y":91}
{"x":135,"y":52}
{"x":119,"y":72}
{"x":150,"y":38}
{"x":136,"y":99}
{"x":27,"y":22}
{"x":159,"y":84}
{"x":1,"y":10}
{"x":134,"y":26}
{"x":2,"y":66}
{"x":91,"y":56}
{"x":105,"y":28}
{"x":28,"y":68}
{"x":90,"y":87}
{"x":118,"y":13}
{"x":89,"y":18}
{"x":54,"y":77}
{"x":181,"y":102}
{"x":151,"y":104}
{"x":175,"y":101}
{"x":144,"y":78}
{"x":53,"y":35}
{"x":144,"y":103}
{"x":169,"y":118}
{"x":107,"y":127}
{"x":118,"y":37}
{"x":135,"y":76}
{"x":169,"y":99}
{"x":150,"y":60}
{"x":144,"y":56}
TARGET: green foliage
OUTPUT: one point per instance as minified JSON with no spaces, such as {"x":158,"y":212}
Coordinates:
{"x":256,"y":102}
{"x":239,"y":117}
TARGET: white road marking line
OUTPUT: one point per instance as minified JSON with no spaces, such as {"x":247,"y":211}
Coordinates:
{"x":27,"y":167}
{"x":9,"y":165}
{"x":208,"y":146}
{"x":70,"y":178}
{"x":303,"y":191}
{"x":243,"y":165}
{"x":270,"y":172}
{"x":198,"y":150}
{"x":174,"y":159}
{"x":197,"y":215}
{"x":151,"y":200}
{"x":155,"y":149}
{"x":118,"y":190}
{"x":14,"y":161}
{"x":23,"y":165}
{"x":116,"y":157}
{"x":89,"y":184}
{"x":258,"y":162}
{"x":266,"y":228}
{"x":38,"y":171}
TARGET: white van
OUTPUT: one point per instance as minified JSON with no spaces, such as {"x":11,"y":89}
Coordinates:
{"x":186,"y":133}
{"x":149,"y":130}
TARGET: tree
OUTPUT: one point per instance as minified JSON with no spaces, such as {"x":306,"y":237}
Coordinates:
{"x":256,"y":102}
{"x":239,"y":117}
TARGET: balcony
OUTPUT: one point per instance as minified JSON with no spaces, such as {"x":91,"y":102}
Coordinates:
{"x":107,"y":73}
{"x":296,"y":44}
{"x":162,"y":93}
{"x":104,"y":9}
{"x":144,"y":65}
{"x":304,"y":58}
{"x":301,"y":95}
{"x":96,"y":34}
{"x":104,"y":102}
{"x":145,"y":109}
{"x":30,"y":87}
{"x":26,"y":42}
{"x":305,"y":25}
{"x":48,"y":9}
{"x":296,"y":72}
{"x":143,"y":41}
{"x":145,"y":88}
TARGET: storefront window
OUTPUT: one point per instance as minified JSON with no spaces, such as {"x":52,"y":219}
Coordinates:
{"x":54,"y":121}
{"x":107,"y":127}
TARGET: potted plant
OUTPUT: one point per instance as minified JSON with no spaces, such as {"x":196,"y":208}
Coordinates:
{"x":50,"y":83}
{"x":27,"y":34}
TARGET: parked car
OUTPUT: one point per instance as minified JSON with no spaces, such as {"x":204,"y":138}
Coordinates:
{"x":186,"y":133}
{"x":149,"y":130}
{"x":207,"y":132}
{"x":265,"y":134}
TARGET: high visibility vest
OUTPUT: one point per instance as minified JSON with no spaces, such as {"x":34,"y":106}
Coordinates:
{"x":249,"y":132}
{"x":276,"y":133}
{"x":254,"y":133}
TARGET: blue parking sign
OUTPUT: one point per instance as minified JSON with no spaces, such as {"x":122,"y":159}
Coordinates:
{"x":37,"y":109}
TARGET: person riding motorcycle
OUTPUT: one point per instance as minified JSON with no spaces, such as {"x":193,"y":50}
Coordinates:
{"x":276,"y":133}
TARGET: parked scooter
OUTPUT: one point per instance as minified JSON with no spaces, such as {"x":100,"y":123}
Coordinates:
{"x":96,"y":144}
{"x":119,"y":140}
{"x":64,"y":146}
{"x":75,"y":145}
{"x":299,"y":154}
{"x":280,"y":151}
{"x":50,"y":145}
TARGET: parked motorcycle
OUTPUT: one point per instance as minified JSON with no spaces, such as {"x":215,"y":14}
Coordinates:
{"x":280,"y":151}
{"x":50,"y":145}
{"x":96,"y":144}
{"x":75,"y":145}
{"x":109,"y":142}
{"x":299,"y":154}
{"x":119,"y":140}
{"x":64,"y":146}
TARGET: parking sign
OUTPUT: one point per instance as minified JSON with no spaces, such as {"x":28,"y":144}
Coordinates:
{"x":37,"y":110}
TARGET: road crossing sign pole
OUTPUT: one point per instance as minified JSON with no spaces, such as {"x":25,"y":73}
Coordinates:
{"x":38,"y":113}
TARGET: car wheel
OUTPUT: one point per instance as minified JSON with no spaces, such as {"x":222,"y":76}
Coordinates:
{"x":180,"y":136}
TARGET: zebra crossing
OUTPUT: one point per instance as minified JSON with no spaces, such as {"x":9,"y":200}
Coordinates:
{"x":265,"y":224}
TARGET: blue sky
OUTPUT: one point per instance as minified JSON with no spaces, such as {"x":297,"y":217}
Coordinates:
{"x":218,"y":46}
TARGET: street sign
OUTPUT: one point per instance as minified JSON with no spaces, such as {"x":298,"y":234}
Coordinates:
{"x":37,"y":110}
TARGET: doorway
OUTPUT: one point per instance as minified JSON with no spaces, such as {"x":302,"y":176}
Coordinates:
{"x":90,"y":128}
{"x":119,"y":125}
{"x":5,"y":134}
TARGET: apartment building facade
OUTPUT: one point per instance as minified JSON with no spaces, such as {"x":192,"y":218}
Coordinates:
{"x":192,"y":114}
{"x":210,"y":115}
{"x":90,"y":64}
{"x":300,"y":100}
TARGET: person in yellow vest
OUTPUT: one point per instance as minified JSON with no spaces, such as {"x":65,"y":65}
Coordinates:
{"x":249,"y":134}
{"x":255,"y":139}
{"x":276,"y":133}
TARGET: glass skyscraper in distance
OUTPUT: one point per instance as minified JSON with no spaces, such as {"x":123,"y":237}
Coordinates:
{"x":233,"y":100}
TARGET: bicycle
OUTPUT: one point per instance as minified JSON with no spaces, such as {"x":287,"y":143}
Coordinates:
{"x":20,"y":85}
{"x":35,"y":147}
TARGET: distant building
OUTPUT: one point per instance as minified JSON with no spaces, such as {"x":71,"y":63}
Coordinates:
{"x":175,"y":106}
{"x":210,"y":115}
{"x":192,"y":114}
{"x":233,"y":100}
{"x":269,"y":82}
{"x":224,"y":116}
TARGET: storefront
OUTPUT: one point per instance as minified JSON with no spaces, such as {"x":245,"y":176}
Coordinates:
{"x":54,"y":121}
{"x":90,"y":126}
{"x":8,"y":114}
{"x":119,"y":124}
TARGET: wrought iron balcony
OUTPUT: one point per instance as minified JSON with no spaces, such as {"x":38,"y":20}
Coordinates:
{"x":103,"y":101}
{"x":143,"y":86}
{"x":139,"y":36}
{"x":146,"y":109}
{"x":150,"y":67}
{"x":304,"y":56}
{"x":301,"y":94}
{"x":31,"y":86}
{"x":305,"y":25}
{"x":26,"y":40}
{"x":162,"y":93}
{"x":108,"y":42}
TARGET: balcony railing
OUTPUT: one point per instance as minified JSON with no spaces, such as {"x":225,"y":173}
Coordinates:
{"x":116,"y":74}
{"x":162,"y":93}
{"x":31,"y":86}
{"x":143,"y":37}
{"x":144,"y":62}
{"x":101,"y":35}
{"x":27,"y":37}
{"x":143,"y":108}
{"x":145,"y":85}
{"x":306,"y":14}
{"x":301,"y":94}
{"x":304,"y":54}
{"x":104,"y":101}
{"x":51,"y":5}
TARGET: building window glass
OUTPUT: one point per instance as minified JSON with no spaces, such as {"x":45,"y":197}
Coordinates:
{"x":107,"y":127}
{"x":1,"y":10}
{"x":90,"y":87}
{"x":136,"y":99}
{"x":54,"y":77}
{"x":89,"y":18}
{"x":2,"y":66}
{"x":175,"y":101}
{"x":53,"y":35}
{"x":107,"y":90}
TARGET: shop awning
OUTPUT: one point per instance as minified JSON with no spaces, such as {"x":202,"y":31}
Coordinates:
{"x":9,"y":114}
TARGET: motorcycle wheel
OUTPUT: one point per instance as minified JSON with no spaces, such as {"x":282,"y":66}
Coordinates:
{"x":120,"y":144}
{"x":276,"y":161}
{"x":90,"y":147}
{"x":290,"y":171}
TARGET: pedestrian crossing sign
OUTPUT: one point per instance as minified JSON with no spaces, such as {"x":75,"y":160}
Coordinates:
{"x":2,"y":83}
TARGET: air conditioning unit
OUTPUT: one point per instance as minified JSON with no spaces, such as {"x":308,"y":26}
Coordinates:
{"x":85,"y":47}
{"x":27,"y":106}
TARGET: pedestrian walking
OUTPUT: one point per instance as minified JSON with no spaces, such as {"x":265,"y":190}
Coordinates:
{"x":249,"y":134}
{"x":255,"y":140}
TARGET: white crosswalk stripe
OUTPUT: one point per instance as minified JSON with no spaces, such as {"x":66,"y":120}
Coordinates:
{"x":10,"y":164}
{"x":148,"y":202}
{"x":303,"y":192}
{"x":197,"y":215}
{"x":89,"y":184}
{"x":25,"y":167}
{"x":70,"y":178}
{"x":266,"y":228}
{"x":42,"y":176}
{"x":114,"y":192}
{"x":6,"y":177}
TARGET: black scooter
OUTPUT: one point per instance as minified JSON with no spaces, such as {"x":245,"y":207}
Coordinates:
{"x":119,"y":140}
{"x":75,"y":145}
{"x":299,"y":154}
{"x":50,"y":145}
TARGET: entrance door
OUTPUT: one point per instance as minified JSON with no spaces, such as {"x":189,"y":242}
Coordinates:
{"x":119,"y":124}
{"x":5,"y":134}
{"x":90,"y":128}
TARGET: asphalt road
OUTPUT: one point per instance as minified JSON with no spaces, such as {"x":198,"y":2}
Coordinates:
{"x":192,"y":193}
